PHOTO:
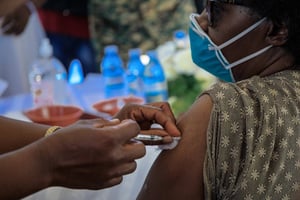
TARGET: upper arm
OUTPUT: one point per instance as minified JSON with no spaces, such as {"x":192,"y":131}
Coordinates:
{"x":178,"y":173}
{"x":6,"y":6}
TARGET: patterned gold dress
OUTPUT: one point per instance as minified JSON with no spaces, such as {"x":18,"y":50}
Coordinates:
{"x":253,"y":150}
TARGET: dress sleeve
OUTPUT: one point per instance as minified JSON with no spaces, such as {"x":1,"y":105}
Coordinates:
{"x":227,"y":141}
{"x":253,"y":139}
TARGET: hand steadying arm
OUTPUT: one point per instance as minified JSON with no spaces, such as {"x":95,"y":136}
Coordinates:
{"x":148,"y":114}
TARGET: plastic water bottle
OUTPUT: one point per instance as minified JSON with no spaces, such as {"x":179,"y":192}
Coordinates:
{"x":47,"y":78}
{"x":75,"y":72}
{"x":155,"y":83}
{"x":113,"y":72}
{"x":135,"y":73}
{"x":180,"y":39}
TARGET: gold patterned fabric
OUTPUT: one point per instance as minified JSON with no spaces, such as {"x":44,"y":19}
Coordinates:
{"x":253,"y":150}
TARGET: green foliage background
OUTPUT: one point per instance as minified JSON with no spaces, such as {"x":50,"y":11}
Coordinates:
{"x":183,"y":91}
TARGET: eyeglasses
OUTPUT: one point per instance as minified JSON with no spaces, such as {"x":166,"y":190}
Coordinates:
{"x":211,"y":5}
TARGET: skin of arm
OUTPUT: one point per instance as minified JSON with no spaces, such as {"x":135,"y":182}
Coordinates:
{"x":23,"y":133}
{"x":17,"y":19}
{"x":90,"y":154}
{"x":16,"y":134}
{"x":178,"y":173}
{"x":22,"y":173}
{"x":39,"y":3}
{"x":8,"y":6}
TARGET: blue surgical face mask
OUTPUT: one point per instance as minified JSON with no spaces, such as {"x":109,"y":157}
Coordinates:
{"x":208,"y":56}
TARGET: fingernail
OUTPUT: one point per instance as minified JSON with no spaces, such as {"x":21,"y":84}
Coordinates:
{"x":114,"y":120}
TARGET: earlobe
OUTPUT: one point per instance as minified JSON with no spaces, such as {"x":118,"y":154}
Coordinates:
{"x":277,"y":34}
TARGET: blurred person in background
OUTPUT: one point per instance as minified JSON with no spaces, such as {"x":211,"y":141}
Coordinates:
{"x":8,"y":7}
{"x":20,"y":37}
{"x":144,"y":24}
{"x":66,"y":25}
{"x":137,"y":24}
{"x":15,"y":22}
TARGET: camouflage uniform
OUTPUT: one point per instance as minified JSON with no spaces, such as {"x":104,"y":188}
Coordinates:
{"x":136,"y":23}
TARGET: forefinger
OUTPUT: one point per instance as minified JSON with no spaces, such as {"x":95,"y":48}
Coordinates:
{"x":166,"y":109}
{"x":157,"y":115}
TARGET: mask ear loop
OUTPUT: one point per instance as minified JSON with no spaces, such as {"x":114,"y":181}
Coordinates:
{"x":238,"y":36}
{"x":249,"y":57}
{"x":246,"y":31}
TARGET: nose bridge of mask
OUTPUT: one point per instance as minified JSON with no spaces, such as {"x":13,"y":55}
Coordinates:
{"x":198,"y":29}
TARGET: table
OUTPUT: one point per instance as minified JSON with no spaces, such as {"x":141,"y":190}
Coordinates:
{"x":84,"y":95}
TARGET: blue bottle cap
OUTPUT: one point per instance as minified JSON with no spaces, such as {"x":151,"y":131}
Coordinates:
{"x":179,"y":34}
{"x":135,"y":52}
{"x":111,"y":49}
{"x":75,"y":72}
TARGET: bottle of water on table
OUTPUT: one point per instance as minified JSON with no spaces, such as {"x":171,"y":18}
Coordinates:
{"x":135,"y":73}
{"x":75,"y":72}
{"x":155,"y":83}
{"x":180,"y":39}
{"x":48,"y":78}
{"x":113,"y":72}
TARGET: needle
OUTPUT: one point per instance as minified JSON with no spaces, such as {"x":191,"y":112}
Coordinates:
{"x":142,"y":137}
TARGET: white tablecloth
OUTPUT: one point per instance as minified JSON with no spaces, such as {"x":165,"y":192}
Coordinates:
{"x":83,"y":95}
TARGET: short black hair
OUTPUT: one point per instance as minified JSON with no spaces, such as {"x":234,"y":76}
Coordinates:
{"x":282,"y":12}
{"x":199,"y":5}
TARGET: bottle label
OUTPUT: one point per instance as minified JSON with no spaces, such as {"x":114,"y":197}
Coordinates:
{"x":156,"y":92}
{"x":110,"y":81}
{"x":42,"y":93}
{"x":135,"y":87}
{"x":114,"y":86}
{"x":155,"y":97}
{"x":161,"y":86}
{"x":114,"y":92}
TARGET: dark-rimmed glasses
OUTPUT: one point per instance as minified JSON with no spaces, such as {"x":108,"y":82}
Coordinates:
{"x":210,"y":6}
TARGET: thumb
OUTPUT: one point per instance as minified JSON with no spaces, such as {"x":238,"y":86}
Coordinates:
{"x":107,"y":123}
{"x":127,"y":130}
